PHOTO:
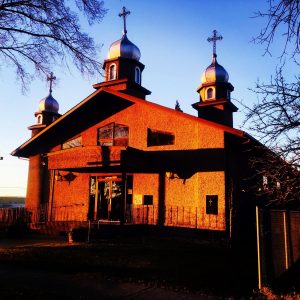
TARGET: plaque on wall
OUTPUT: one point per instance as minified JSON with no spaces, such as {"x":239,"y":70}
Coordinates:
{"x":137,"y":199}
{"x":211,"y":204}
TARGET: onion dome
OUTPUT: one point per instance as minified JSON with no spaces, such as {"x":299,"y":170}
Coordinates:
{"x":48,"y":104}
{"x":124,"y":48}
{"x":214,"y":72}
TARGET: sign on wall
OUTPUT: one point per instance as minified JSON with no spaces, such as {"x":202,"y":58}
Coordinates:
{"x":137,"y":199}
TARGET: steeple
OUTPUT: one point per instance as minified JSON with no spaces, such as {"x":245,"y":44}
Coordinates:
{"x":124,"y":14}
{"x":47,"y":110}
{"x":214,"y":40}
{"x":214,"y":91}
{"x":123,"y":70}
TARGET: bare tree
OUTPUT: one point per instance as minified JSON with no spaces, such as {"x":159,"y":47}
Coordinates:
{"x":37,"y":34}
{"x":275,"y":118}
{"x":282,"y":16}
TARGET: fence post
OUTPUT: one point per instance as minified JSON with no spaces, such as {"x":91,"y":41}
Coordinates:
{"x":196,"y":216}
{"x":258,"y":248}
{"x":285,"y":241}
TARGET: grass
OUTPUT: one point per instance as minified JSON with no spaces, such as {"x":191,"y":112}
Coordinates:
{"x":12,"y":199}
{"x":178,"y":263}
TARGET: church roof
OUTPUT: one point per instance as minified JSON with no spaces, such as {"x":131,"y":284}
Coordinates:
{"x":88,"y":113}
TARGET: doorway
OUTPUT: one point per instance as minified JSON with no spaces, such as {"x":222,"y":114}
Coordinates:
{"x":105,"y":198}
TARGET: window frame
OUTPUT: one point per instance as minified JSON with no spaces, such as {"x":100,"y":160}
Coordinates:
{"x":212,"y":90}
{"x":112,"y":74}
{"x":137,"y":75}
{"x":113,"y":140}
{"x":153,"y":138}
{"x":77,"y":138}
{"x":39,"y":119}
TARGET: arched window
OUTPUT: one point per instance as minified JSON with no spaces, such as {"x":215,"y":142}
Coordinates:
{"x":210,"y":93}
{"x":228,"y":95}
{"x":39,"y":119}
{"x":137,"y":75}
{"x":112,"y":72}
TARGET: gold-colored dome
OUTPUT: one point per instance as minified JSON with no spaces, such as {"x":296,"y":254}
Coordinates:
{"x":214,"y":72}
{"x":48,"y":104}
{"x":124,"y":48}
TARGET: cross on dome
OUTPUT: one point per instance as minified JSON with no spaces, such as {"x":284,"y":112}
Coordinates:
{"x":214,"y":39}
{"x":51,"y":78}
{"x":124,"y":14}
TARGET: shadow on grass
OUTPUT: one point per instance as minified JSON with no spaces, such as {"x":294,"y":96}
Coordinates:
{"x":159,"y":258}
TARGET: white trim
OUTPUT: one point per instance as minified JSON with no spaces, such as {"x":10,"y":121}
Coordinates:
{"x":112,"y":76}
{"x":39,"y":119}
{"x":137,"y":75}
{"x":212,"y":93}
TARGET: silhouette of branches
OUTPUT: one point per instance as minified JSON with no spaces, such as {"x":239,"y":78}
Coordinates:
{"x":37,"y":34}
{"x":282,"y":16}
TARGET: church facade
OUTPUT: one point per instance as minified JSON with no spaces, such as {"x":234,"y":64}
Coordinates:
{"x":116,"y":157}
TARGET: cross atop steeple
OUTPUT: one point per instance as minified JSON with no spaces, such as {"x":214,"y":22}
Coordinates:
{"x":51,"y":78}
{"x":214,"y":39}
{"x":124,"y":14}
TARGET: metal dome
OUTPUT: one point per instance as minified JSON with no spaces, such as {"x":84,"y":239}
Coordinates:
{"x":124,"y":48}
{"x":48,"y":104}
{"x":214,"y":72}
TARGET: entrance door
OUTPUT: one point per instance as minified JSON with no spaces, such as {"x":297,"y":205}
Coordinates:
{"x":108,"y":198}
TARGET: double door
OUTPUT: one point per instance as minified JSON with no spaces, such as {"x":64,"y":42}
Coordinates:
{"x":106,"y":198}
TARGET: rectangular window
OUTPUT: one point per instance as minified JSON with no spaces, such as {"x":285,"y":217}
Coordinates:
{"x":121,"y":135}
{"x":211,"y":204}
{"x":76,"y":142}
{"x":159,"y":138}
{"x":113,"y":135}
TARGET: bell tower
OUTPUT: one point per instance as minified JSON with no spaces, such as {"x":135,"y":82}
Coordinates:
{"x":38,"y":174}
{"x":215,"y":91}
{"x":48,"y":110}
{"x":122,"y":68}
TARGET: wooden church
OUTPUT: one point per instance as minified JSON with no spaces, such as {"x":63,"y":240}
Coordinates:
{"x":116,"y":157}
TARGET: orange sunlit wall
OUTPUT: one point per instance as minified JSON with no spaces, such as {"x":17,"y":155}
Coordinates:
{"x":184,"y":200}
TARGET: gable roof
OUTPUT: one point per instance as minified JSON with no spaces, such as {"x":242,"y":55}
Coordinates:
{"x":98,"y":106}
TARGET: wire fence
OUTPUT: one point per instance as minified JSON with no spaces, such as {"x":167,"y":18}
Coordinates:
{"x":10,"y":216}
{"x":45,"y":213}
{"x":181,"y":216}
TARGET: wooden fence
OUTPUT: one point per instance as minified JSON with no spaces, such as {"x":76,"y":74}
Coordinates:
{"x":279,"y":242}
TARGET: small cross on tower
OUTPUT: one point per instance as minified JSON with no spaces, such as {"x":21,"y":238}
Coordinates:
{"x":124,"y":14}
{"x":214,"y":39}
{"x":51,"y":78}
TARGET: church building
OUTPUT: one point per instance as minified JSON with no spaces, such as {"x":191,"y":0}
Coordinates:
{"x":116,"y":157}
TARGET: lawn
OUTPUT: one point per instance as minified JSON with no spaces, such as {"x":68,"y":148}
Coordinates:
{"x":178,"y":262}
{"x":12,"y":199}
